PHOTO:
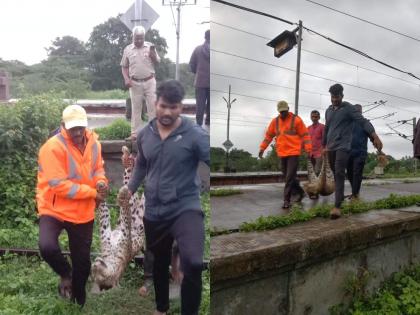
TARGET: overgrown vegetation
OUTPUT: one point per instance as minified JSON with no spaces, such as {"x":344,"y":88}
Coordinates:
{"x":297,"y":215}
{"x":23,"y":128}
{"x":398,"y":295}
{"x":119,"y":129}
{"x":28,"y":286}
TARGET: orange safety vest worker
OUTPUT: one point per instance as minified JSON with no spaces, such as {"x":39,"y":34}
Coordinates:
{"x":290,"y":134}
{"x":67,"y":178}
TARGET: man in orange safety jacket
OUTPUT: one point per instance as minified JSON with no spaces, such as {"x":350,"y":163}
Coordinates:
{"x":290,"y":133}
{"x":71,"y":181}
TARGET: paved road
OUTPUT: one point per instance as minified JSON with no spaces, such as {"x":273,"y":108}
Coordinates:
{"x":267,"y":199}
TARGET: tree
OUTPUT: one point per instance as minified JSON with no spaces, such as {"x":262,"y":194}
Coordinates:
{"x":69,"y":48}
{"x":106,"y":45}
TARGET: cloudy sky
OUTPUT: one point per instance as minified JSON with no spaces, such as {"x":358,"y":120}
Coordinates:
{"x":245,"y":34}
{"x":29,"y":26}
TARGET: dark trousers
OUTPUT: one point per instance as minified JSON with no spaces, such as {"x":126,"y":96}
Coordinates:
{"x":338,"y":162}
{"x":289,"y":166}
{"x":355,"y":167}
{"x":188,"y":231}
{"x":80,"y":240}
{"x":202,"y":97}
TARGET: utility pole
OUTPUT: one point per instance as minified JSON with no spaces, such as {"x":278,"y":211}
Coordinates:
{"x":179,"y":4}
{"x":299,"y":48}
{"x":414,"y":134}
{"x":228,"y":144}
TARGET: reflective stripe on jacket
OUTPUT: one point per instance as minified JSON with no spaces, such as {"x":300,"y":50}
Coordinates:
{"x":67,"y":179}
{"x":290,"y":134}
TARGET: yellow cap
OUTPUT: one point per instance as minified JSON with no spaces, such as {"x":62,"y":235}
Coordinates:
{"x":74,"y":116}
{"x":282,"y":106}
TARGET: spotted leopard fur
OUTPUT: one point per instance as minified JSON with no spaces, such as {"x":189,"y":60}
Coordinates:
{"x":120,"y":245}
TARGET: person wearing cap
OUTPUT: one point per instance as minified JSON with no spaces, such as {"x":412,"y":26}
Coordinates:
{"x":169,"y":150}
{"x":138,"y":69}
{"x":290,"y":132}
{"x":71,"y":181}
{"x":339,"y":119}
{"x":200,"y":66}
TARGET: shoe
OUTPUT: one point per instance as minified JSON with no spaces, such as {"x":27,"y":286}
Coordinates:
{"x":286,"y":205}
{"x":335,"y":213}
{"x":64,"y":288}
{"x":354,"y":198}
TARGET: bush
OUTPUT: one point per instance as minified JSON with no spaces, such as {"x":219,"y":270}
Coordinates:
{"x":24,"y":127}
{"x":118,"y":130}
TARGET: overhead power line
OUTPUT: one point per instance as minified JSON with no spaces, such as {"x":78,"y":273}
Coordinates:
{"x":317,"y":54}
{"x":319,"y":77}
{"x":253,"y":11}
{"x":319,"y":34}
{"x":366,"y":21}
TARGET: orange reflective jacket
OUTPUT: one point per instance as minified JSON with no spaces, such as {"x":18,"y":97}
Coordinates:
{"x":290,"y":134}
{"x":67,"y":179}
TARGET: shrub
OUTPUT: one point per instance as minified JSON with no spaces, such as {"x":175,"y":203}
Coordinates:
{"x":118,"y":130}
{"x":24,"y":127}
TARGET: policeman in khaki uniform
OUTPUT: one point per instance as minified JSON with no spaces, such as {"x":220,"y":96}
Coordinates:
{"x":137,"y":65}
{"x":290,"y":133}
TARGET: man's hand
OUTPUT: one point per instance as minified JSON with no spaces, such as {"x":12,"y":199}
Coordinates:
{"x":102,"y":192}
{"x":260,"y":154}
{"x":152,"y":53}
{"x":124,"y":200}
{"x":377,"y":143}
{"x":128,"y":84}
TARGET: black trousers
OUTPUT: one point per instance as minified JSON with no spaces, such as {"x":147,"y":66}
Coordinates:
{"x":355,"y":167}
{"x":80,"y":240}
{"x":289,"y":166}
{"x":202,"y":96}
{"x":188,"y":231}
{"x":338,"y":162}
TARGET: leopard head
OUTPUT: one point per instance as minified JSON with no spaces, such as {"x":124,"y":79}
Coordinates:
{"x":103,"y":273}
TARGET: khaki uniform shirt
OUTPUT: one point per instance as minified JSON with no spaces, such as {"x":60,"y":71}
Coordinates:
{"x":138,"y":62}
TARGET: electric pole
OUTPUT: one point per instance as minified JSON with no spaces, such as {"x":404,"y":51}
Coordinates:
{"x":228,"y":144}
{"x":178,"y":4}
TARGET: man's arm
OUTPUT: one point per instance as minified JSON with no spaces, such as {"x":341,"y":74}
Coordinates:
{"x":127,"y":80}
{"x":203,"y":146}
{"x":367,"y":127}
{"x":193,"y":61}
{"x":139,"y":171}
{"x":302,"y":131}
{"x":269,"y":135}
{"x":154,"y":55}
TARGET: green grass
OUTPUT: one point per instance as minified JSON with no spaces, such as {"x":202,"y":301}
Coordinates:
{"x":297,"y":215}
{"x":29,"y":286}
{"x":224,"y":192}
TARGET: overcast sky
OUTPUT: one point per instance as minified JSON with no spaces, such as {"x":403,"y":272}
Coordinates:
{"x":255,"y":102}
{"x":29,"y":26}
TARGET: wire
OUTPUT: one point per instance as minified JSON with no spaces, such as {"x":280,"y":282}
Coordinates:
{"x":319,"y":77}
{"x":253,"y":11}
{"x":319,"y":34}
{"x":282,"y":86}
{"x":319,"y":54}
{"x":366,"y":21}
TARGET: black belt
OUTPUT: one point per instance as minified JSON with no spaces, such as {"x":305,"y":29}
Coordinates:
{"x":144,"y":79}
